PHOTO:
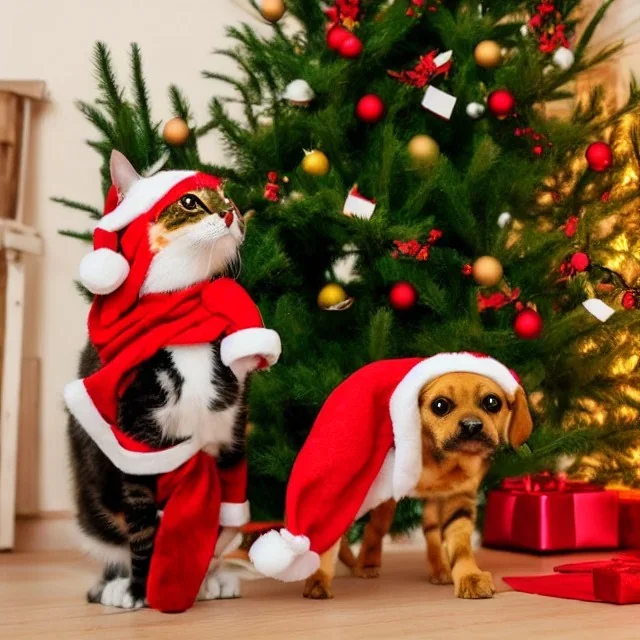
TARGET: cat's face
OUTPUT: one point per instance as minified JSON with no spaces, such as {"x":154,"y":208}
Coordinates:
{"x":194,"y":239}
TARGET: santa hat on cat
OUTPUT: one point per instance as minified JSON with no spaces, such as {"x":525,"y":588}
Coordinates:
{"x":109,"y":265}
{"x":365,"y":448}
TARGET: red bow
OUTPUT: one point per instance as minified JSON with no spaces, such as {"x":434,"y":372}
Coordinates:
{"x":345,"y":12}
{"x":413,"y":249}
{"x":496,"y":300}
{"x":422,"y":74}
{"x":272,"y":189}
{"x":546,"y":482}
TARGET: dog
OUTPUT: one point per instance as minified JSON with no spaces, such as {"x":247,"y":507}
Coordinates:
{"x":464,"y":418}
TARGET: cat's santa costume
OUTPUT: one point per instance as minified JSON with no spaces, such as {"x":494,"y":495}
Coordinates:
{"x":364,"y":448}
{"x":128,"y":328}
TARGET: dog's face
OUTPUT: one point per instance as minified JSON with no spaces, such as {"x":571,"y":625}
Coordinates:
{"x":471,"y":414}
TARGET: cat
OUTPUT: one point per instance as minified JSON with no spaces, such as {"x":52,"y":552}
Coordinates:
{"x":178,"y":393}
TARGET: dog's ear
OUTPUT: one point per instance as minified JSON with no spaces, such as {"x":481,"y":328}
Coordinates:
{"x":521,"y":423}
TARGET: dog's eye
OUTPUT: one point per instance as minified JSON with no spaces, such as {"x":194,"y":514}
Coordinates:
{"x":441,"y":406}
{"x":189,"y":202}
{"x":491,"y":403}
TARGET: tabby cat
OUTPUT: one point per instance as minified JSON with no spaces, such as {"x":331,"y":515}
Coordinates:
{"x":180,"y":392}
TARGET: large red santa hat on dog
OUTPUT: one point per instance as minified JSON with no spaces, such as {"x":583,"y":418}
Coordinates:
{"x":364,"y":448}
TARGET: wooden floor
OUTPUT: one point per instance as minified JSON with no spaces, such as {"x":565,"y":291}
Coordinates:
{"x":42,"y":596}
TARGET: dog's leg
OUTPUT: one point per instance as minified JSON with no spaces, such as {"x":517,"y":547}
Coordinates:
{"x":318,"y":586}
{"x":345,"y":555}
{"x":438,"y":568}
{"x":458,"y":517}
{"x":370,"y":556}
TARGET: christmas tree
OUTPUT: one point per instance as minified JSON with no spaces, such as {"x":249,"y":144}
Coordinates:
{"x":406,"y":194}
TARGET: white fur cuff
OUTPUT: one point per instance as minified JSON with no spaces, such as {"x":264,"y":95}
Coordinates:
{"x":283,"y":556}
{"x":234,"y":514}
{"x":251,"y":342}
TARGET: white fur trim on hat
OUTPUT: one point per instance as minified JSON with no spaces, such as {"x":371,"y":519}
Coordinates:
{"x":281,"y":555}
{"x":405,"y":412}
{"x":234,"y":514}
{"x":251,"y":342}
{"x":142,"y":195}
{"x":102,"y":271}
{"x":134,"y":463}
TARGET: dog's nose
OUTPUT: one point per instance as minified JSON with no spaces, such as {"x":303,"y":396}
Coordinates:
{"x":470,"y":427}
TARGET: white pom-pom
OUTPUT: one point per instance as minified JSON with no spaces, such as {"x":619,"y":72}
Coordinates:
{"x":299,"y":92}
{"x":504,"y":219}
{"x":102,"y":271}
{"x":564,"y":58}
{"x":475,"y":110}
{"x":281,"y":555}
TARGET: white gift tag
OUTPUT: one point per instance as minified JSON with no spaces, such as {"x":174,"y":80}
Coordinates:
{"x":439,"y":102}
{"x":357,"y":206}
{"x":598,"y":309}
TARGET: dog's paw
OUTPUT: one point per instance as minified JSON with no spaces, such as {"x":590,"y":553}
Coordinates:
{"x":440,"y":575}
{"x":475,"y":586}
{"x":318,"y":587}
{"x":117,"y":593}
{"x":366,"y":572}
{"x":220,"y":585}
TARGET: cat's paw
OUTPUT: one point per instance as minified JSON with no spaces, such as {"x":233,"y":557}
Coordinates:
{"x":117,"y":593}
{"x":220,"y":585}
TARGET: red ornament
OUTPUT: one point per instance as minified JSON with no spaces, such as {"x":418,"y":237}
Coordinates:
{"x":599,"y":156}
{"x":467,"y":269}
{"x":370,"y":108}
{"x":336,"y":36}
{"x":629,"y":300}
{"x":580,"y":261}
{"x":351,"y":47}
{"x":570,"y":227}
{"x":501,"y":103}
{"x":538,"y":150}
{"x":528,"y":324}
{"x":403,"y":296}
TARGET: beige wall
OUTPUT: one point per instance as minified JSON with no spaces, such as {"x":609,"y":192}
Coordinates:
{"x":52,"y":40}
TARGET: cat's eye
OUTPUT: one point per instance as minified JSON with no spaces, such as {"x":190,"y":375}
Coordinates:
{"x":441,"y":406}
{"x":189,"y":202}
{"x":491,"y":403}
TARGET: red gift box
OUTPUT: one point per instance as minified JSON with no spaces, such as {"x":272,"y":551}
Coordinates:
{"x":629,"y":521}
{"x":549,"y":513}
{"x":616,"y":581}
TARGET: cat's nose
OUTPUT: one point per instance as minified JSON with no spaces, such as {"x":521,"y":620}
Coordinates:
{"x":228,"y":218}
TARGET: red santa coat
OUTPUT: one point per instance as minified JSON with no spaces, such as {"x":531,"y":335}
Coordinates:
{"x":364,"y":448}
{"x":126,"y":330}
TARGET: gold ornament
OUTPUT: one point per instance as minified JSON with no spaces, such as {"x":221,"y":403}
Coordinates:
{"x":487,"y":271}
{"x":272,"y":10}
{"x":331,"y":295}
{"x":175,"y":132}
{"x":424,"y":150}
{"x":488,"y":54}
{"x":315,"y":163}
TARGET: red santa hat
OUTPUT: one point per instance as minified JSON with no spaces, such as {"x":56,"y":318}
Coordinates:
{"x":364,"y":448}
{"x":108,"y":266}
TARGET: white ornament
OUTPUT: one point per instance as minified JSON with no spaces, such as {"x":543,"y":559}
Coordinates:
{"x":439,"y":102}
{"x":564,"y":58}
{"x":524,"y":30}
{"x":358,"y":206}
{"x":299,"y":93}
{"x":598,"y":309}
{"x":475,"y":110}
{"x":443,"y":58}
{"x":504,"y":219}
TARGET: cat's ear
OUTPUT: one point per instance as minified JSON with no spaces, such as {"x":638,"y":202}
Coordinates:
{"x":123,"y":175}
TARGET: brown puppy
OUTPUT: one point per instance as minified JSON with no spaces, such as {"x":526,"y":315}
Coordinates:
{"x":464,"y":417}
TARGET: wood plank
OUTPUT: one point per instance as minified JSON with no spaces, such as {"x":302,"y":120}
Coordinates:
{"x":34,"y":89}
{"x":28,"y":482}
{"x":10,"y":396}
{"x":42,"y":596}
